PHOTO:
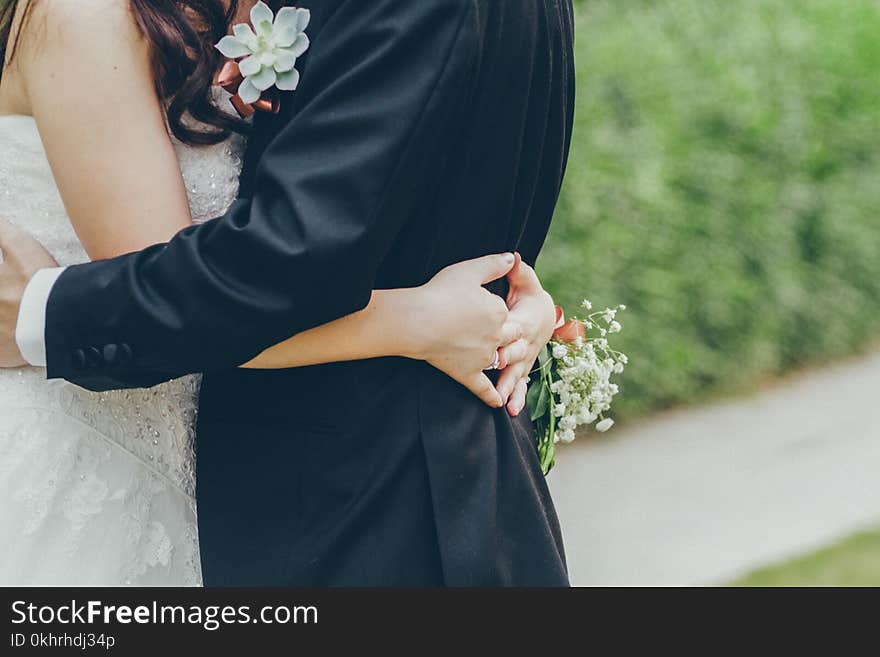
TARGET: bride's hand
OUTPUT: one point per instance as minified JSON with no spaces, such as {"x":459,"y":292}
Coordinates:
{"x":457,"y":325}
{"x":22,"y":257}
{"x":533,"y":311}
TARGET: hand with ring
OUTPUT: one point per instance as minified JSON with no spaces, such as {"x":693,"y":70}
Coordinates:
{"x":460,"y":327}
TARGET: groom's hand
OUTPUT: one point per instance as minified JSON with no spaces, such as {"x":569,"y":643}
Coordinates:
{"x":22,"y":257}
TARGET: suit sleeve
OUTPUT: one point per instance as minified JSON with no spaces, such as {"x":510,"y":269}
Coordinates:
{"x":332,"y":191}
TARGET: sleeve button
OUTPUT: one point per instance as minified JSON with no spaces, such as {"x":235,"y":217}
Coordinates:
{"x":94,"y":359}
{"x":111,"y":352}
{"x":125,"y":355}
{"x":78,"y":359}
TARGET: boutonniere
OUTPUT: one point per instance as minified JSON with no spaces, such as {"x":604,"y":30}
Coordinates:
{"x":263,"y":57}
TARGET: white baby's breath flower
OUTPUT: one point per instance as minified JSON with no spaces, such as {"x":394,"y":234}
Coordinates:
{"x":579,"y":381}
{"x":565,"y":436}
{"x":604,"y":425}
{"x":270,"y":49}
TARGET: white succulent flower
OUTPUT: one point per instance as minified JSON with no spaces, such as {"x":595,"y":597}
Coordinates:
{"x":270,"y":49}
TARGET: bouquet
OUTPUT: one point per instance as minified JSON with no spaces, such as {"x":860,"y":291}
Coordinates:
{"x":571,"y":386}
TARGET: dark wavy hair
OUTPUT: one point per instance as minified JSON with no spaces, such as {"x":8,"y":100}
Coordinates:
{"x":181,"y":34}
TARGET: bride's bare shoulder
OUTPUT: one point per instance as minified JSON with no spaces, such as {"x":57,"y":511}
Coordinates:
{"x":71,"y":29}
{"x":95,"y":42}
{"x":64,"y":18}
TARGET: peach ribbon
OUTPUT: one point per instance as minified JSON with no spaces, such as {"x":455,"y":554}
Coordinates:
{"x":230,"y":79}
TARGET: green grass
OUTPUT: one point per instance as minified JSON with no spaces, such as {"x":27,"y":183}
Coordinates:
{"x":854,"y":561}
{"x":723,"y":183}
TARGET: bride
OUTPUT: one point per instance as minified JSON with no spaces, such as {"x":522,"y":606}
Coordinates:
{"x":114,"y":138}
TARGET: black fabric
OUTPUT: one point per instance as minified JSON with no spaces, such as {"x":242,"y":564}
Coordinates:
{"x":422,"y":134}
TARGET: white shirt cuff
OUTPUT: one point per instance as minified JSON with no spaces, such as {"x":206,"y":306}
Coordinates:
{"x":30,"y":330}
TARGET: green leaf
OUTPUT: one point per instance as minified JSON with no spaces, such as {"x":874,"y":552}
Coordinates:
{"x":541,"y":405}
{"x":547,"y":455}
{"x":533,"y":397}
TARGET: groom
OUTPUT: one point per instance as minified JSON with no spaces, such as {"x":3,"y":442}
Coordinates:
{"x":422,"y":134}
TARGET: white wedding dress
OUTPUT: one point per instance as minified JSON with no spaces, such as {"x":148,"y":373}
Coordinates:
{"x":97,"y":489}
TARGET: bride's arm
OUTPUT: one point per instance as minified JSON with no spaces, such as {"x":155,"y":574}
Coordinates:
{"x":445,"y":323}
{"x":88,"y":80}
{"x":89,"y":84}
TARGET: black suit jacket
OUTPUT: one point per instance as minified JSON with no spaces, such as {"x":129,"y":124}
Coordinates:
{"x":422,"y":134}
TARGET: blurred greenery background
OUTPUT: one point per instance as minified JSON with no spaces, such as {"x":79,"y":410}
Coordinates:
{"x":724,"y":183}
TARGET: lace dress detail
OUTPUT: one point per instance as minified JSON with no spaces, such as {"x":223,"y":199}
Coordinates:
{"x":97,"y":488}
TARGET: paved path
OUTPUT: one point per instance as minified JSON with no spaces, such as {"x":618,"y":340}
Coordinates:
{"x":699,"y":496}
